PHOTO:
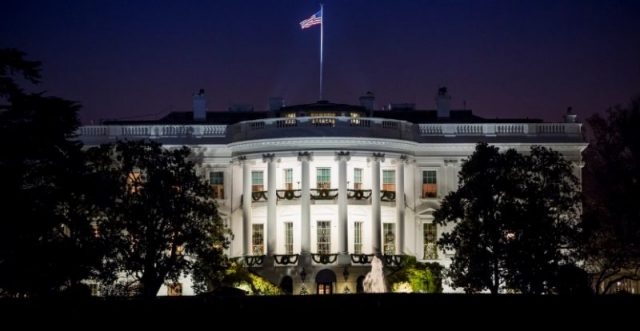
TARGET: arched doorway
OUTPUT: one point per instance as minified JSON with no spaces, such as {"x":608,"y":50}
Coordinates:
{"x":286,"y":284}
{"x":360,"y":285}
{"x":324,"y":281}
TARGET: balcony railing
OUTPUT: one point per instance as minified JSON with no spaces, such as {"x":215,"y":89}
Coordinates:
{"x":389,"y":196}
{"x":324,"y":258}
{"x":259,"y":196}
{"x":500,"y":129}
{"x":324,"y":194}
{"x":358,"y":194}
{"x":151,"y":131}
{"x":288,"y":194}
{"x":286,"y":259}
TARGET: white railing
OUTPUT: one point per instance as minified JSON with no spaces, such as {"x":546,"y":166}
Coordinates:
{"x":500,"y":129}
{"x":151,"y":131}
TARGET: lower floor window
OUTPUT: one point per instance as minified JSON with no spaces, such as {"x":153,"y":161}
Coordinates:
{"x":389,"y":231}
{"x":257,"y":239}
{"x":324,"y":237}
{"x":430,"y":238}
{"x":174,"y":289}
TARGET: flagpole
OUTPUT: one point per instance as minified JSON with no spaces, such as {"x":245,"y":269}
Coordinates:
{"x":321,"y":46}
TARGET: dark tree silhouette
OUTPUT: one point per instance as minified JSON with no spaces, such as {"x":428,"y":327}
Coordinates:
{"x":162,"y":218}
{"x":612,"y":189}
{"x":516,"y":219}
{"x":44,"y":244}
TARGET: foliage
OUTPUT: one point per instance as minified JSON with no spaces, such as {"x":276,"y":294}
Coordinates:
{"x":234,"y":274}
{"x":46,"y":244}
{"x":612,"y":188}
{"x":162,"y":217}
{"x":516,"y":220}
{"x":416,"y":276}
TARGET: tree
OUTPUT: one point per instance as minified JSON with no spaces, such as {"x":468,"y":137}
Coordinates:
{"x":515,"y":219}
{"x":612,"y":190}
{"x":162,"y":217}
{"x":44,"y":247}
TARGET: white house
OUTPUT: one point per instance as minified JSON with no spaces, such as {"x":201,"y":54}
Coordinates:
{"x":312,"y":191}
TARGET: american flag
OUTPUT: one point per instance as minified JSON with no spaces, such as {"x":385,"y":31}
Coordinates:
{"x":313,"y":20}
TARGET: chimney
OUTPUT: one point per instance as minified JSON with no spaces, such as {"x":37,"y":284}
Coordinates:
{"x":443,"y":102}
{"x":199,"y":106}
{"x":367,"y":101}
{"x":570,"y":117}
{"x":275,"y":103}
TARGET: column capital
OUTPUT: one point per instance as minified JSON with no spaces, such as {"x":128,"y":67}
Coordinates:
{"x":378,"y":157}
{"x":343,"y":156}
{"x":239,"y":160}
{"x":305,"y":156}
{"x":579,"y":164}
{"x":405,"y":159}
{"x":450,"y":162}
{"x":268,"y":157}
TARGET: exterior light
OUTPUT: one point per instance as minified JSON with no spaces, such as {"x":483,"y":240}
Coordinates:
{"x":303,"y":275}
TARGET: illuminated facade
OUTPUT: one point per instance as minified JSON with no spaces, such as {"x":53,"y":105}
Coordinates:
{"x":311,"y":192}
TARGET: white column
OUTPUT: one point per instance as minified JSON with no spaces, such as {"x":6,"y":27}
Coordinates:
{"x":246,"y":206}
{"x":271,"y":202}
{"x":305,"y":204}
{"x":376,"y":223}
{"x":400,"y":202}
{"x":342,"y":158}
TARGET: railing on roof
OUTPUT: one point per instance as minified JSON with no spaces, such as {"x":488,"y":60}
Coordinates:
{"x":500,"y":129}
{"x":151,"y":131}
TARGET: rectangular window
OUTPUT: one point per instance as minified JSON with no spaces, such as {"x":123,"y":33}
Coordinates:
{"x":429,"y":184}
{"x":389,"y":239}
{"x":389,"y":180}
{"x":430,"y":238}
{"x":288,"y":179}
{"x":357,"y":238}
{"x":174,"y":289}
{"x":216,"y":180}
{"x":324,"y":237}
{"x":257,"y":181}
{"x":323,"y":178}
{"x":135,"y":181}
{"x":288,"y":238}
{"x":257,"y":239}
{"x":357,"y":179}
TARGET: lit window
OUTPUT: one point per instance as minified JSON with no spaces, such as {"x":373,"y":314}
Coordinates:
{"x":257,"y":181}
{"x":430,"y":237}
{"x":216,"y":180}
{"x":288,"y":238}
{"x":288,"y":179}
{"x":134,"y":181}
{"x":389,"y":230}
{"x":389,"y":180}
{"x":324,"y":237}
{"x":323,"y":178}
{"x":357,"y":179}
{"x":257,"y":239}
{"x":429,"y":184}
{"x":174,"y":289}
{"x":357,"y":238}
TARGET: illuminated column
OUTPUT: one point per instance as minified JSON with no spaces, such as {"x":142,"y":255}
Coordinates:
{"x":246,"y":205}
{"x":305,"y":204}
{"x":271,"y":202}
{"x":400,"y":202}
{"x":342,"y":158}
{"x":375,"y":203}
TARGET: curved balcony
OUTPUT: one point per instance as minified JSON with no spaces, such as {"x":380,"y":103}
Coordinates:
{"x":322,"y":126}
{"x":288,"y":194}
{"x":324,"y":194}
{"x":358,"y":194}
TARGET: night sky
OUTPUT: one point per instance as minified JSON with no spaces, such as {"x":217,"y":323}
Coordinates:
{"x":140,"y":60}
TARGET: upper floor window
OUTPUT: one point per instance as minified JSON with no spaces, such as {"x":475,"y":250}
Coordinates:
{"x":357,"y":238}
{"x":357,"y":179}
{"x":135,"y":181}
{"x":389,"y":230}
{"x":216,"y":180}
{"x":288,"y":238}
{"x":389,"y":180}
{"x":429,"y":184}
{"x":323,"y":178}
{"x":257,"y":181}
{"x":324,"y":237}
{"x":257,"y":239}
{"x":288,"y":179}
{"x":174,"y":289}
{"x":430,"y":232}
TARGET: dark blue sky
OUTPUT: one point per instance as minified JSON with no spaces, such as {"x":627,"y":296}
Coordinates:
{"x":505,"y":58}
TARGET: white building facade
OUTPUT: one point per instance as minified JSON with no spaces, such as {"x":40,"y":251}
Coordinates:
{"x":312,"y":192}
